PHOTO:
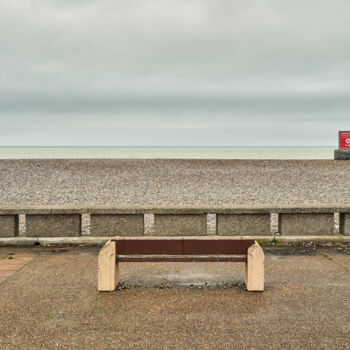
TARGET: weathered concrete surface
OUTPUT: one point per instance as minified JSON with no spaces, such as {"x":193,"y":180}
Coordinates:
{"x":8,"y":225}
{"x":55,"y":225}
{"x":344,"y":224}
{"x":342,"y":154}
{"x":170,"y":209}
{"x":306,"y":224}
{"x":180,"y":225}
{"x":254,"y":269}
{"x":342,"y":261}
{"x":53,"y":302}
{"x":245,"y":224}
{"x":108,"y":269}
{"x":116,"y":225}
{"x":10,"y":262}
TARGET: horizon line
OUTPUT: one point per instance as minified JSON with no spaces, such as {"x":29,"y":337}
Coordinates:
{"x":159,"y":146}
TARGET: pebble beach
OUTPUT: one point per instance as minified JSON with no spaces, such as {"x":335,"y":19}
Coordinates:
{"x":170,"y":182}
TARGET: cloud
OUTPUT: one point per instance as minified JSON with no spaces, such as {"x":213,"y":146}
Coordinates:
{"x":174,"y":68}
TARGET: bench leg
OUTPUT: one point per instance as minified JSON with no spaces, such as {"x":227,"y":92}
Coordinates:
{"x":254,"y":272}
{"x":108,"y":269}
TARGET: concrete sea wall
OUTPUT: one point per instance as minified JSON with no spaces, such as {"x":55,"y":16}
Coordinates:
{"x":46,"y":225}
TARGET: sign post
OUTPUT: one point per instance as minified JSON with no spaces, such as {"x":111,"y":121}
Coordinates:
{"x":343,"y":152}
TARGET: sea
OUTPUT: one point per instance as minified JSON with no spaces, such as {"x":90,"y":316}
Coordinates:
{"x":19,"y":152}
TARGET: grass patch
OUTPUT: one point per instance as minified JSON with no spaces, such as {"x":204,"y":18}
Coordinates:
{"x":275,"y":242}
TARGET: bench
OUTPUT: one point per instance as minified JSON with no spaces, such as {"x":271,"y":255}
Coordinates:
{"x":180,"y":249}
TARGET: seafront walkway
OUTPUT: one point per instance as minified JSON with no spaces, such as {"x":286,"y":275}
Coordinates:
{"x":48,"y":292}
{"x":52,"y":301}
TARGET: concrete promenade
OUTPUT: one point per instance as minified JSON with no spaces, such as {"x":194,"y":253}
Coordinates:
{"x":51,"y":302}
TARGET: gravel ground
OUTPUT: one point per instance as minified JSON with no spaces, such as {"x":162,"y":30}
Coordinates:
{"x":52,"y":303}
{"x":174,"y":182}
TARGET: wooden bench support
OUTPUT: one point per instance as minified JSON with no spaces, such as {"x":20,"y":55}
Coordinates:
{"x":254,"y":272}
{"x":108,"y":268}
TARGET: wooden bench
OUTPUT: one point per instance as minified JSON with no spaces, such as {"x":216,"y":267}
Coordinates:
{"x":180,"y":249}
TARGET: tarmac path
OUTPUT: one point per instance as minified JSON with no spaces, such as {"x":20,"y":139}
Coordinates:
{"x":52,"y":303}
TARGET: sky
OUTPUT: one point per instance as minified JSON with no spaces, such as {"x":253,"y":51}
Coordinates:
{"x":174,"y":72}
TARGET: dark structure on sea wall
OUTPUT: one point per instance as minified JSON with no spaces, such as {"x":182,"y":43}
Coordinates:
{"x":342,"y":154}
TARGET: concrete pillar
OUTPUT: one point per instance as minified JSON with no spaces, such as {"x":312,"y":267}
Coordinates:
{"x":108,"y":269}
{"x":254,"y":272}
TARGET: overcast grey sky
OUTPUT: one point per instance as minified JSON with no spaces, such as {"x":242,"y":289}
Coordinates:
{"x":174,"y":72}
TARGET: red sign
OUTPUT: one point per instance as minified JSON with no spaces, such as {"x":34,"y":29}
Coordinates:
{"x":344,"y":139}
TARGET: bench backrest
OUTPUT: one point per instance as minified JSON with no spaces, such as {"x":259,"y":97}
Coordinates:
{"x":183,"y":245}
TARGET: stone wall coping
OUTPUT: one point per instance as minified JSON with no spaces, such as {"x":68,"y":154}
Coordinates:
{"x":101,"y":209}
{"x":44,"y":241}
